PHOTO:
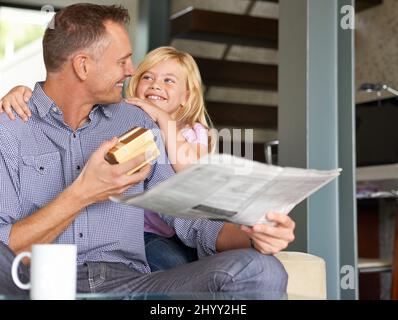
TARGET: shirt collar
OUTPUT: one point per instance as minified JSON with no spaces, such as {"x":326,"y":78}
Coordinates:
{"x":105,"y":110}
{"x":44,"y":103}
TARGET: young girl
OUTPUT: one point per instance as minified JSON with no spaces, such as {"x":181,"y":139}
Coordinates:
{"x":167,"y":85}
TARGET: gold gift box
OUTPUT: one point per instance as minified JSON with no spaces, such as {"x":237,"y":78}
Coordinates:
{"x":130,"y":145}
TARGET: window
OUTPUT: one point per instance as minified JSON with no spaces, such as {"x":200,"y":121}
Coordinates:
{"x":21,"y":55}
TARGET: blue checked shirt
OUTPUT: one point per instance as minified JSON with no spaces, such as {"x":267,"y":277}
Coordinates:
{"x":40,"y":158}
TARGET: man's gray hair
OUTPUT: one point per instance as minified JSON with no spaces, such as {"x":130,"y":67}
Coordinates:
{"x":79,"y":26}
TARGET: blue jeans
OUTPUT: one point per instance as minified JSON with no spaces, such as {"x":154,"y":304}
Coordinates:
{"x":234,"y":271}
{"x":166,"y":253}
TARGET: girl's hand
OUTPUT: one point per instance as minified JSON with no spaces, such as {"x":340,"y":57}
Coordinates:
{"x":16,"y":99}
{"x":153,"y":111}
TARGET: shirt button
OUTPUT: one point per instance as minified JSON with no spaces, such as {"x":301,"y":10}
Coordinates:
{"x":54,"y":109}
{"x":80,"y":235}
{"x":74,"y":135}
{"x":78,"y":168}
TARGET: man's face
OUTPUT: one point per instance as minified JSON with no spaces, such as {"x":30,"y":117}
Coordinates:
{"x":110,"y":69}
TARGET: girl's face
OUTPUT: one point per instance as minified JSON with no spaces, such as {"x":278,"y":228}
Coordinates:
{"x":164,"y":85}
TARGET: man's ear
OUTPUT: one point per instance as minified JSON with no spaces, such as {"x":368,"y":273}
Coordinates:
{"x":80,"y":64}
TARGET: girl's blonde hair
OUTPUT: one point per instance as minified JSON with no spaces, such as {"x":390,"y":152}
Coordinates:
{"x":194,"y":110}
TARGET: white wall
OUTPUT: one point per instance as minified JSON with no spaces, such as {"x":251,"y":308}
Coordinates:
{"x":26,"y":67}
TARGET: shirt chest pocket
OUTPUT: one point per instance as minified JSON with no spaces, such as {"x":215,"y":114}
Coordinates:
{"x":41,"y":178}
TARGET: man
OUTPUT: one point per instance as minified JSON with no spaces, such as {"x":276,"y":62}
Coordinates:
{"x":55,"y":182}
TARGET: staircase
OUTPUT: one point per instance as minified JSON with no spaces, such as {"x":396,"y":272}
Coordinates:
{"x":237,"y":55}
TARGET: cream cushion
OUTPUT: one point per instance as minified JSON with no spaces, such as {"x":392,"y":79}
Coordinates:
{"x":307,"y":275}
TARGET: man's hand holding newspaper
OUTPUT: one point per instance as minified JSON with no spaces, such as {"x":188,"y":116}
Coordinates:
{"x":267,"y":239}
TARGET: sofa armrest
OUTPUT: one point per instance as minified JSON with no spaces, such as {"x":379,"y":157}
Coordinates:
{"x":307,"y":275}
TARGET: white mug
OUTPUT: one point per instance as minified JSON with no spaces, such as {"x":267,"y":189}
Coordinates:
{"x":52,"y":271}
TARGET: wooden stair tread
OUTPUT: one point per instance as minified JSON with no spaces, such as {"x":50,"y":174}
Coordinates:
{"x":226,"y":73}
{"x":257,"y":151}
{"x":360,"y":5}
{"x":223,"y":27}
{"x":235,"y":114}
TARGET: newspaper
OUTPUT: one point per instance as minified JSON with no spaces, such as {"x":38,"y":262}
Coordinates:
{"x":224,"y":187}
